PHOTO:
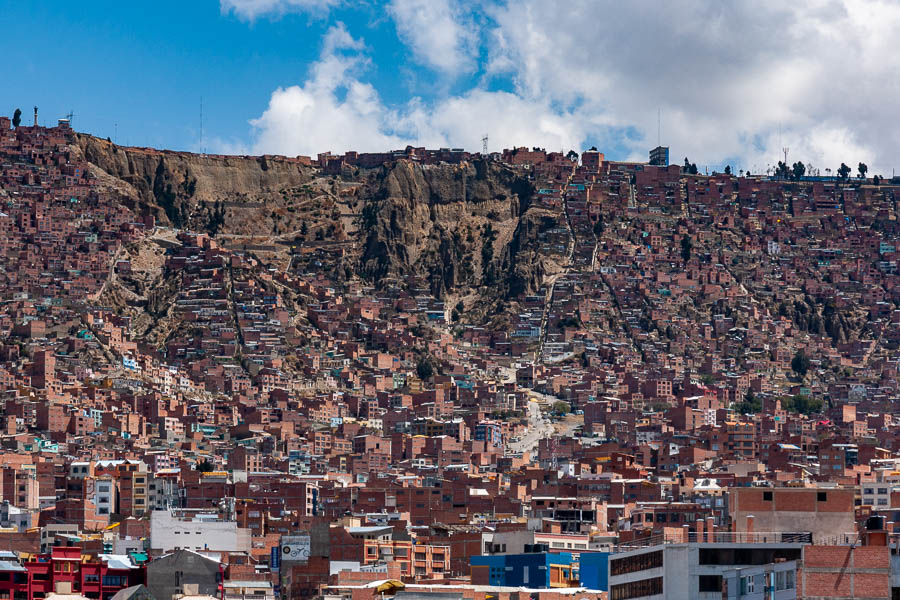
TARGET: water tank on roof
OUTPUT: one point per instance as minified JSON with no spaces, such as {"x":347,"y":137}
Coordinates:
{"x":875,"y":523}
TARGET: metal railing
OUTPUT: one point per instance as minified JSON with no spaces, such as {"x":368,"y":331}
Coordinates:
{"x":720,"y":537}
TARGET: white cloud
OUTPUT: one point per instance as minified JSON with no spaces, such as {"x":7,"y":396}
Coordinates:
{"x":439,"y":33}
{"x":724,"y":75}
{"x":333,"y":110}
{"x":734,"y":82}
{"x":252,"y":9}
{"x":508,"y":119}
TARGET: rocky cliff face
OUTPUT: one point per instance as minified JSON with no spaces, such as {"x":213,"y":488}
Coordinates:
{"x":183,"y":189}
{"x":456,"y":226}
{"x":464,"y":229}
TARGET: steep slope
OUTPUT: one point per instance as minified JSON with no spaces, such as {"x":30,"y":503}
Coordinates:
{"x":456,"y":226}
{"x":231,"y":194}
{"x":463,"y":229}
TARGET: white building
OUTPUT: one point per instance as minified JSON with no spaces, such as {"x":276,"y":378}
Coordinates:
{"x":697,"y":570}
{"x":196,"y":530}
{"x":249,"y":590}
{"x":877,"y":495}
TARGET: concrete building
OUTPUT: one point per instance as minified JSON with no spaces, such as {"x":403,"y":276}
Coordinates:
{"x":18,"y":518}
{"x":876,"y":494}
{"x":776,"y":581}
{"x":689,"y":570}
{"x":659,"y":156}
{"x":184,"y":572}
{"x":249,"y":590}
{"x":195,"y":530}
{"x":524,"y":540}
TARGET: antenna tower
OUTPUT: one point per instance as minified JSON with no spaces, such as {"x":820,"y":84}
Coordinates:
{"x":201,"y":124}
{"x":785,"y":150}
{"x":70,"y":116}
{"x":658,"y":126}
{"x":484,"y":144}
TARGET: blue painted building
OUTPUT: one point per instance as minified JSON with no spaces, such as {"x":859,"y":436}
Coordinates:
{"x":594,"y":570}
{"x":533,"y":570}
{"x":489,"y":431}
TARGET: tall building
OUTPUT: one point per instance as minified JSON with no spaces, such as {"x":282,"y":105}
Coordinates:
{"x":699,"y":569}
{"x":659,"y":156}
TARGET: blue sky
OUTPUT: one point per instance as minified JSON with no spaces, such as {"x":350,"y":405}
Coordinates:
{"x":148,"y":70}
{"x":304,"y":76}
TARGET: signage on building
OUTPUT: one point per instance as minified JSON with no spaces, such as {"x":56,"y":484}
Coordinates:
{"x":295,"y":548}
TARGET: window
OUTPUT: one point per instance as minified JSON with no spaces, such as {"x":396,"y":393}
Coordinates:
{"x":882,"y":490}
{"x":113,"y":580}
{"x":767,"y":496}
{"x":710,"y":583}
{"x":821,"y":497}
{"x":639,"y":562}
{"x":64,"y":567}
{"x":636,"y":589}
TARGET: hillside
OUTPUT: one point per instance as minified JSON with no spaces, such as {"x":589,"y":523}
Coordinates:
{"x":459,"y":227}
